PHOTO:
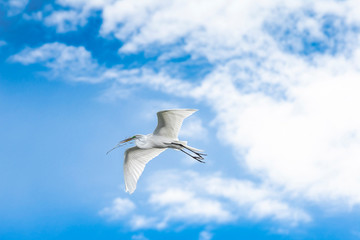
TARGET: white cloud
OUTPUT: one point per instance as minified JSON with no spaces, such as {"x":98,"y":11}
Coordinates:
{"x":144,"y":222}
{"x":114,"y":93}
{"x":205,"y":235}
{"x":83,"y":4}
{"x":188,"y":198}
{"x":207,"y":28}
{"x":71,"y":63}
{"x":305,"y":143}
{"x":119,"y":208}
{"x":261,"y":201}
{"x":66,"y":21}
{"x":2,"y":43}
{"x":147,"y":77}
{"x":73,"y":15}
{"x":193,"y":128}
{"x":213,"y":198}
{"x":36,"y":16}
{"x":14,"y":7}
{"x":65,"y":62}
{"x":182,"y":204}
{"x":139,"y":237}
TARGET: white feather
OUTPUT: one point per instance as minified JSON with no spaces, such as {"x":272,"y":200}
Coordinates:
{"x":134,"y":164}
{"x":170,"y":121}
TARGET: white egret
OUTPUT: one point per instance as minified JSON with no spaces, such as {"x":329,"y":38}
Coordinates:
{"x":151,"y":145}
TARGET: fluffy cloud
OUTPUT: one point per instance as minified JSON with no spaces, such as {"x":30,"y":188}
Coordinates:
{"x":73,"y":14}
{"x":65,"y":62}
{"x":14,"y":7}
{"x":72,"y":63}
{"x":193,"y":128}
{"x":119,"y":208}
{"x":187,"y":197}
{"x":205,"y":235}
{"x":217,"y":30}
{"x":66,"y":21}
{"x":139,"y":237}
{"x":182,"y":204}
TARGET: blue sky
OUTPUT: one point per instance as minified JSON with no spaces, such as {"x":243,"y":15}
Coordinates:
{"x":276,"y":84}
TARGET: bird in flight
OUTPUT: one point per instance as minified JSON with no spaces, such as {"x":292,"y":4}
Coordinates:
{"x":151,"y":145}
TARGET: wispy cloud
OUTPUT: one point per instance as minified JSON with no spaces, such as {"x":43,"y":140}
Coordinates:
{"x":119,"y":208}
{"x":181,"y":204}
{"x":68,"y":63}
{"x":188,"y":198}
{"x":194,"y":128}
{"x":2,"y":43}
{"x":70,"y":15}
{"x":65,"y":21}
{"x":14,"y":7}
{"x":205,"y":235}
{"x":139,"y":237}
{"x":146,"y":222}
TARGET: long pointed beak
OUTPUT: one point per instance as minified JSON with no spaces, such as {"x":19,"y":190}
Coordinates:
{"x":121,"y":144}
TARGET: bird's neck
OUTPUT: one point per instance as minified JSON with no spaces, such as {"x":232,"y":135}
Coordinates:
{"x":142,"y":141}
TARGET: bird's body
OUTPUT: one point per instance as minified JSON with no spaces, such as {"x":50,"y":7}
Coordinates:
{"x":156,"y":141}
{"x":151,"y":141}
{"x":151,"y":145}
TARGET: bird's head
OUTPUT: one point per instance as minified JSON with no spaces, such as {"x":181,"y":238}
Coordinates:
{"x":123,"y":142}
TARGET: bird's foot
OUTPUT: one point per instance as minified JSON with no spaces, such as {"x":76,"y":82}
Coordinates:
{"x":198,"y":158}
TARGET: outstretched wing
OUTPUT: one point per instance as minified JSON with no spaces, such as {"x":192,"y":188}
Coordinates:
{"x":134,"y":164}
{"x":170,"y":121}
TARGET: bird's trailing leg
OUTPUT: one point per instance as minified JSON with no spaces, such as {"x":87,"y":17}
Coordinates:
{"x":197,"y":153}
{"x":199,"y":156}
